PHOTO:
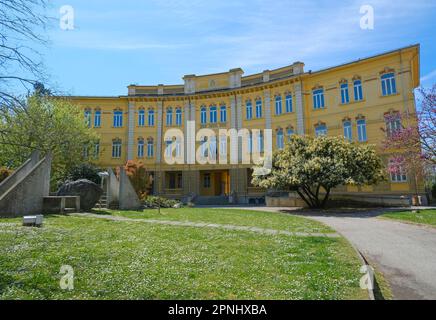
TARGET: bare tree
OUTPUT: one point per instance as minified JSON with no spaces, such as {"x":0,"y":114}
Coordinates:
{"x":22,"y":27}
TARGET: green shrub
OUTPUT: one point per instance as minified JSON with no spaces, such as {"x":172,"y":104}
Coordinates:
{"x":84,"y":171}
{"x":153,"y":202}
{"x":433,"y":190}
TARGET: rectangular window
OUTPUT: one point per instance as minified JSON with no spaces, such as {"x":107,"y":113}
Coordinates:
{"x":345,"y":98}
{"x":169,"y":117}
{"x":97,"y":150}
{"x":116,"y":149}
{"x":140,"y":149}
{"x":88,"y":118}
{"x":97,"y":119}
{"x":206,"y":180}
{"x":321,"y":130}
{"x":223,"y":114}
{"x":141,"y":118}
{"x":347,"y":130}
{"x":260,"y":144}
{"x":150,"y":149}
{"x":172,"y":181}
{"x":259,"y":108}
{"x":203,"y":116}
{"x":168,"y":148}
{"x":318,"y":98}
{"x":151,"y":118}
{"x":361,"y":130}
{"x":213,"y":115}
{"x":393,"y":124}
{"x":289,"y":103}
{"x":278,"y":105}
{"x":388,"y":84}
{"x":397,"y":171}
{"x":178,"y":117}
{"x":118,"y":119}
{"x":280,"y":140}
{"x":249,"y":110}
{"x":223,"y":146}
{"x":358,"y":93}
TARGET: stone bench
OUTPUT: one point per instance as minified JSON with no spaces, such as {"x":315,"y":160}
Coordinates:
{"x":61,"y":204}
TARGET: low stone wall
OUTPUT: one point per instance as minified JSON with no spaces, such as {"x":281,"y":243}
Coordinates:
{"x":291,"y":200}
{"x":344,"y":199}
{"x":59,"y":204}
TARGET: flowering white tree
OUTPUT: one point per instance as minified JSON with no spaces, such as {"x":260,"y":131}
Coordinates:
{"x":314,"y":166}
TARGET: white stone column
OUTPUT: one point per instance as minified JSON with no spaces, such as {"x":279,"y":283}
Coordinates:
{"x":299,"y":108}
{"x":131,"y":131}
{"x":187,"y":117}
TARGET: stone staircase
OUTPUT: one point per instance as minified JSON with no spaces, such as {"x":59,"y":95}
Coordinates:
{"x":212,"y":200}
{"x":102,"y":203}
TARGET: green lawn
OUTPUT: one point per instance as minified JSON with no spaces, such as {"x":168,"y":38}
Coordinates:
{"x":427,"y":217}
{"x":251,"y":218}
{"x":134,"y":260}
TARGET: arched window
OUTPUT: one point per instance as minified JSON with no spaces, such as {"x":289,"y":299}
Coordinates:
{"x":347,"y":130}
{"x":318,"y":98}
{"x":223,"y":113}
{"x":361,"y":130}
{"x":151,"y":117}
{"x":388,"y":84}
{"x":213,"y":114}
{"x":321,"y":130}
{"x":116,"y":148}
{"x":289,"y":102}
{"x":345,"y":97}
{"x":141,"y":117}
{"x":169,"y":116}
{"x":118,"y":119}
{"x":178,"y":117}
{"x":97,"y":118}
{"x":150,"y":148}
{"x":249,"y":110}
{"x":203,"y":115}
{"x":140,"y":148}
{"x":259,"y":108}
{"x":88,"y":117}
{"x":358,"y":92}
{"x":278,"y":105}
{"x":280,"y":139}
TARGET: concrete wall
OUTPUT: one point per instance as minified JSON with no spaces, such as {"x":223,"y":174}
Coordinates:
{"x":25,"y":196}
{"x":20,"y":173}
{"x":128,"y":198}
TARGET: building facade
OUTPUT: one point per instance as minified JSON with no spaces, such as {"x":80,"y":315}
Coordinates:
{"x":351,"y":100}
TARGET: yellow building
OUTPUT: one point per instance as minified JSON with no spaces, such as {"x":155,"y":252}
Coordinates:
{"x":351,"y":99}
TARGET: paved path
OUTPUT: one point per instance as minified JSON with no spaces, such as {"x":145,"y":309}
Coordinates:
{"x":210,"y":225}
{"x":405,"y":253}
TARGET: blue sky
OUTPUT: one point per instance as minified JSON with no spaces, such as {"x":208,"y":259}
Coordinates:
{"x":119,"y":42}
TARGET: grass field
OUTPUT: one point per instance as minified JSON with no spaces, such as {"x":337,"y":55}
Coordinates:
{"x":136,"y":260}
{"x":427,"y":217}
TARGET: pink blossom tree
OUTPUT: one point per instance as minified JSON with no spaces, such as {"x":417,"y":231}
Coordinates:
{"x":411,"y":138}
